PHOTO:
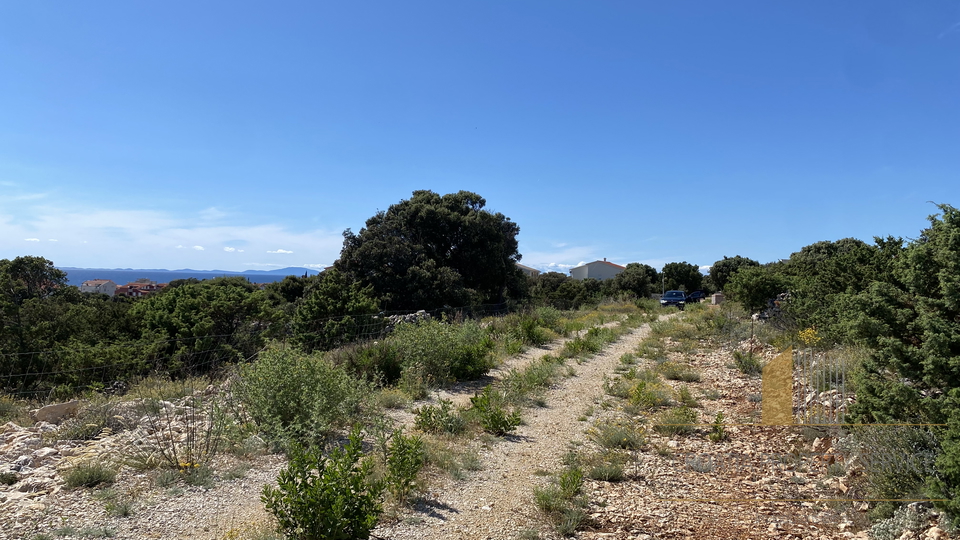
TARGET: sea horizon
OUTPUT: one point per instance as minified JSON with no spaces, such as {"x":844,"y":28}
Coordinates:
{"x":122,"y":276}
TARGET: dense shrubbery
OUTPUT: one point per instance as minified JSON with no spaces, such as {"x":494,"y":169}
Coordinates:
{"x":298,"y":398}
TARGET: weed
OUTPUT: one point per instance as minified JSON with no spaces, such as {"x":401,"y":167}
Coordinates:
{"x":677,"y":421}
{"x":614,"y":434}
{"x":89,"y":474}
{"x":747,"y":363}
{"x":120,"y":507}
{"x":717,"y":432}
{"x":650,"y":395}
{"x":299,"y":398}
{"x":440,"y":418}
{"x":755,"y":398}
{"x":678,"y":372}
{"x":166,"y":478}
{"x":96,"y":532}
{"x":236,"y":472}
{"x":712,"y":394}
{"x":198,"y":476}
{"x":685,"y":397}
{"x":392,"y":398}
{"x":628,"y":359}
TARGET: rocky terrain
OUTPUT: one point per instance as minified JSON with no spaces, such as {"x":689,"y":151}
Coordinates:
{"x":675,"y":486}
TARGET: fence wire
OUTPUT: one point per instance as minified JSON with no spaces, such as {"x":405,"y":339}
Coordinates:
{"x":820,"y":387}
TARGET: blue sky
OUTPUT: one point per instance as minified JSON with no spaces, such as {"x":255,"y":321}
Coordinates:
{"x":243,"y":135}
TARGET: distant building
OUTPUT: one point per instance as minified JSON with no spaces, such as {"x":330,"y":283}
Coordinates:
{"x":596,"y":270}
{"x":99,"y":286}
{"x":529,"y":272}
{"x":139,"y":288}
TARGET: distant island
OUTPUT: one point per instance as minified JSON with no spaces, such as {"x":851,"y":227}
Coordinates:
{"x":76,"y":276}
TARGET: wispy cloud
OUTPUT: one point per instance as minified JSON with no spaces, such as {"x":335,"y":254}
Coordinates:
{"x":229,"y":249}
{"x":212,"y":214}
{"x":89,"y":237}
{"x":52,"y":240}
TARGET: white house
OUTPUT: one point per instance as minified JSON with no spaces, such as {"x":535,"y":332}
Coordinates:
{"x":597,"y":270}
{"x":101,"y":286}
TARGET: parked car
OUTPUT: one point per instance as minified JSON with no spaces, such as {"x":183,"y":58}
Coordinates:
{"x":696,"y":296}
{"x":673,"y":298}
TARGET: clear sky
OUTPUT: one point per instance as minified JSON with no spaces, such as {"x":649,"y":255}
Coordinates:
{"x":242,"y":135}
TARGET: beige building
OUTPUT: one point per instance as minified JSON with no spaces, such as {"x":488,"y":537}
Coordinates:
{"x":596,"y":270}
{"x":527,"y":271}
{"x":101,"y":286}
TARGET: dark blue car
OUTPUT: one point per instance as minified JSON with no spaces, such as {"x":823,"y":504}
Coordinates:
{"x":696,"y":296}
{"x":673,"y":298}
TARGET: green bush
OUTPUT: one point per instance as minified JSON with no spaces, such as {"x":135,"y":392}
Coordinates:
{"x":444,"y":352}
{"x":488,"y":408}
{"x":896,"y":460}
{"x":374,"y":361}
{"x":440,"y":418}
{"x":325,"y":497}
{"x":405,"y":458}
{"x":297,"y":397}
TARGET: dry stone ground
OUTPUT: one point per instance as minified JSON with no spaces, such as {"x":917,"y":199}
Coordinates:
{"x":745,"y":495}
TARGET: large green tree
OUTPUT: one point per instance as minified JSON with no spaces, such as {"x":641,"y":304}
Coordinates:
{"x":333,"y":312}
{"x":722,"y":270}
{"x":432,"y":250}
{"x":636,"y":278}
{"x":681,"y":276}
{"x":913,"y":324}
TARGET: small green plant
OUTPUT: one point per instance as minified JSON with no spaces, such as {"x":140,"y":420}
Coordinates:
{"x":440,"y":418}
{"x":119,"y":507}
{"x":747,"y":363}
{"x":678,"y":372}
{"x":717,"y":432}
{"x":405,"y":458}
{"x":8,"y":478}
{"x":618,"y":434}
{"x":326,"y":497}
{"x":685,"y":397}
{"x":561,"y":500}
{"x":679,"y":421}
{"x":712,"y":394}
{"x":89,"y":474}
{"x":605,"y":466}
{"x":650,"y":395}
{"x":493,"y":417}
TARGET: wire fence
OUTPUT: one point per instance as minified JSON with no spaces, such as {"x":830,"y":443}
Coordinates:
{"x":111,"y":367}
{"x":821,"y":394}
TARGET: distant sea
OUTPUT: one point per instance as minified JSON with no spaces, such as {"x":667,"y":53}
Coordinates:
{"x":76,"y":276}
